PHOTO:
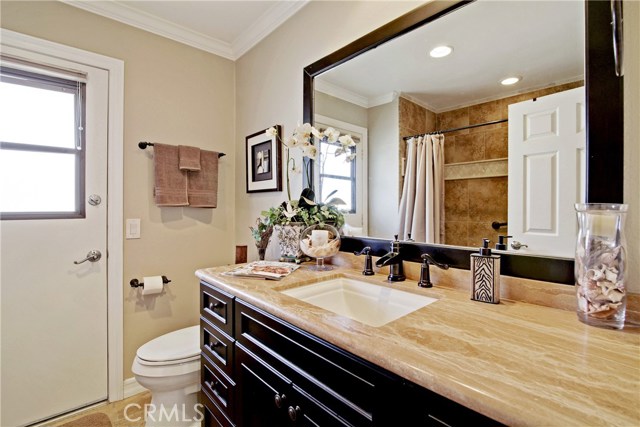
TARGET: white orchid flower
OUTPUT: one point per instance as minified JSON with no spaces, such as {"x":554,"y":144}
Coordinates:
{"x":291,"y":142}
{"x":310,"y":151}
{"x":303,"y":131}
{"x":350,"y":157}
{"x":331,"y":134}
{"x":339,"y":151}
{"x":346,"y":141}
{"x":272,"y":131}
{"x":318,"y":134}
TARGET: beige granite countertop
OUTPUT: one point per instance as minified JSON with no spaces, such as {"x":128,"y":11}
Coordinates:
{"x":518,"y":363}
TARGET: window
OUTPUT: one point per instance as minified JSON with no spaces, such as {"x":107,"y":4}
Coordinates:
{"x":337,"y":177}
{"x":42,"y":146}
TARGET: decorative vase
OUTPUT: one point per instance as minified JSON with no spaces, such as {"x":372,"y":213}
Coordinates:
{"x":600,"y":264}
{"x":261,"y":252}
{"x":288,"y":240}
{"x":320,"y":241}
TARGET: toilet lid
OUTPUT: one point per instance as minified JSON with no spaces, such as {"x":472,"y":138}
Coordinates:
{"x":176,"y":345}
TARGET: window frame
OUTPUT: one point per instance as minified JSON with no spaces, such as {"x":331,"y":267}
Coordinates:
{"x":352,"y":176}
{"x":46,"y":82}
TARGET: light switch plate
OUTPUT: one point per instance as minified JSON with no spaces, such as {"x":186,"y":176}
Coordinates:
{"x":133,"y":228}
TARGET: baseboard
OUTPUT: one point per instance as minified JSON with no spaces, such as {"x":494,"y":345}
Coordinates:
{"x":131,"y":387}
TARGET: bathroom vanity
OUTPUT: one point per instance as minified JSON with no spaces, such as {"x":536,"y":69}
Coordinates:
{"x":271,"y":359}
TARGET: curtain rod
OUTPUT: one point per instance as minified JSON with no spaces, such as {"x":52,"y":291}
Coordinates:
{"x":495,"y":122}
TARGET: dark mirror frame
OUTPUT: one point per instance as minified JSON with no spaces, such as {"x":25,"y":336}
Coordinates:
{"x":604,"y":96}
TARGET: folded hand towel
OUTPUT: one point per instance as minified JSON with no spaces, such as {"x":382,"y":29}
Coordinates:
{"x":203,"y":184}
{"x":189,"y":158}
{"x":170,"y":182}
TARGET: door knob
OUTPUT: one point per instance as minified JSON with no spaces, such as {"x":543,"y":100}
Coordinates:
{"x":92,"y":256}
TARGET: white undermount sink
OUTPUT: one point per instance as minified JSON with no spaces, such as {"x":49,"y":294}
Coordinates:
{"x":365,"y":302}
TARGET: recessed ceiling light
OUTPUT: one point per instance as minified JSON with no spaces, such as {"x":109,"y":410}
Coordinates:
{"x":510,"y":81}
{"x":440,"y":51}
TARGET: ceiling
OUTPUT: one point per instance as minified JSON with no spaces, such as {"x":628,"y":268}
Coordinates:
{"x":540,"y":41}
{"x":226,"y":28}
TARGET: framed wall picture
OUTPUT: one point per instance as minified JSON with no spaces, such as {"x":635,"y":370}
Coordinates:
{"x":264,"y":166}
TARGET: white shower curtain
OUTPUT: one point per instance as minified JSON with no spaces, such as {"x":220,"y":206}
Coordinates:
{"x":421,"y":209}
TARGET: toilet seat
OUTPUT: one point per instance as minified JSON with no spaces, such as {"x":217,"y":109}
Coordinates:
{"x":176,"y":347}
{"x":175,"y":353}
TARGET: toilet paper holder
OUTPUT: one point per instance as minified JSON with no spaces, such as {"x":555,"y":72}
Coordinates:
{"x":135,"y":283}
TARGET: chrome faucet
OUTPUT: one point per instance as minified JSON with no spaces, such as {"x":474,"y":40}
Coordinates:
{"x":394,"y":260}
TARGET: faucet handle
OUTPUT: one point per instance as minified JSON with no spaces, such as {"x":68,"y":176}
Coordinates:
{"x":368,"y":262}
{"x":365,"y":251}
{"x":428,"y":259}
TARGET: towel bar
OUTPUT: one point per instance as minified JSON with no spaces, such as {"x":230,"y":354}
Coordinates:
{"x":145,"y":144}
{"x":135,"y":283}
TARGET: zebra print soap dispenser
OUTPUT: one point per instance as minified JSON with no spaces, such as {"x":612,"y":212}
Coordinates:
{"x":485,"y":275}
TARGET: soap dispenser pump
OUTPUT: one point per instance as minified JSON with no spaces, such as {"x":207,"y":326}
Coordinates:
{"x":502,"y":242}
{"x":485,"y":275}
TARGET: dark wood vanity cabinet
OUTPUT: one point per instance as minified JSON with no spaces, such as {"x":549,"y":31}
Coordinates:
{"x":267,"y":372}
{"x":217,"y":345}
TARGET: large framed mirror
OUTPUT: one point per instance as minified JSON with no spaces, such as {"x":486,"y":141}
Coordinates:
{"x":384,"y":88}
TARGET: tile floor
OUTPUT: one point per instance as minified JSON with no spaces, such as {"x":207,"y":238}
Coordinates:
{"x":115,"y":411}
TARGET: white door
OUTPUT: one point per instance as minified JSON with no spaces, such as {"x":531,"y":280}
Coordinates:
{"x":348,"y":178}
{"x":546,"y":171}
{"x":53,"y":311}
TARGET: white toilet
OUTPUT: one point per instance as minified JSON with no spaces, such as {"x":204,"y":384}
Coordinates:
{"x":169,"y":366}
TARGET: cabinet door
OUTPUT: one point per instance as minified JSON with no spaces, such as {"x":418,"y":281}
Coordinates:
{"x":262,"y":393}
{"x":267,"y":398}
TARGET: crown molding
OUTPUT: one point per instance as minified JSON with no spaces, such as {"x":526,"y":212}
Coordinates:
{"x":268,"y":22}
{"x":341,"y":93}
{"x":383,"y":99}
{"x":151,"y":23}
{"x":419,"y":102}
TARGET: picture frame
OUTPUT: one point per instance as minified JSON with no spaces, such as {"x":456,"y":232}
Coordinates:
{"x":263,"y":156}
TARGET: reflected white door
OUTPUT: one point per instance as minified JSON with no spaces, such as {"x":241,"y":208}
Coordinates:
{"x":54,"y":312}
{"x":546,"y":171}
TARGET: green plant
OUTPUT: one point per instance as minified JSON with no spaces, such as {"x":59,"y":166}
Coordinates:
{"x":261,"y":233}
{"x":304,"y":210}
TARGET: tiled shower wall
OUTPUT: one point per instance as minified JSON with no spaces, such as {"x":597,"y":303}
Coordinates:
{"x":471,"y":204}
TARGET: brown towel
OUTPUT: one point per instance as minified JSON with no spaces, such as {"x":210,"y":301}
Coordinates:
{"x":189,"y":158}
{"x":170,"y":182}
{"x":203,"y":185}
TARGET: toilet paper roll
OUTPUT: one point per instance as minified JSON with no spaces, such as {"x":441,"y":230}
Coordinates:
{"x":152,"y":285}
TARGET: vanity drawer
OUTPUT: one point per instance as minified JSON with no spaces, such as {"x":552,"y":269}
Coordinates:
{"x":218,"y":386}
{"x":217,"y":307}
{"x":213,"y":415}
{"x":217,"y":345}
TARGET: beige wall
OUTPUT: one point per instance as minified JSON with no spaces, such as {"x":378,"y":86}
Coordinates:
{"x":269,"y":82}
{"x":173,"y":94}
{"x":384,"y":154}
{"x":339,"y":109}
{"x":632,"y":138}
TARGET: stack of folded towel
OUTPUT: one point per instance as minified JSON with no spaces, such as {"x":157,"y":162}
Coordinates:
{"x":185,"y":176}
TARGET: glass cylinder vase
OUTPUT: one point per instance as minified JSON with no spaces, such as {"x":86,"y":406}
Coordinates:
{"x":600,"y":264}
